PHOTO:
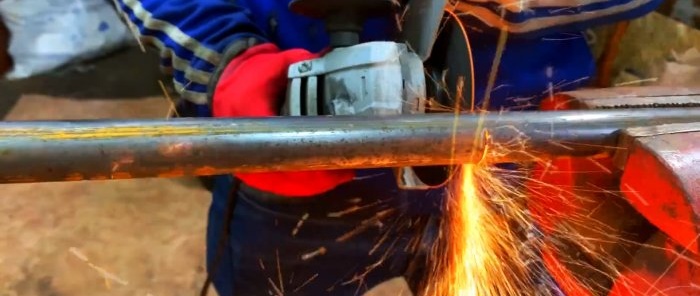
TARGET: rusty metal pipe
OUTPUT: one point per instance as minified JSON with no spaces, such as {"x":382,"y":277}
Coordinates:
{"x":98,"y":150}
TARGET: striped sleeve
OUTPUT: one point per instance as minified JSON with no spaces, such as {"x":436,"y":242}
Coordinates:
{"x":191,"y":36}
{"x":542,"y":17}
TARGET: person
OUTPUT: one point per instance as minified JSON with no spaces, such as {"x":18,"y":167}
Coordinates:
{"x":339,"y":232}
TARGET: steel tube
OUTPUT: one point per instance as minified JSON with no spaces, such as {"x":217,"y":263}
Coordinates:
{"x":97,"y":150}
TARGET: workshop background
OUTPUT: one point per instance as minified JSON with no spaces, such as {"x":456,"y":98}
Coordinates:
{"x":146,"y":237}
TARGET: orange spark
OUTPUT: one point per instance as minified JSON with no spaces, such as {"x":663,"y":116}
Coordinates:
{"x":480,"y":253}
{"x":473,"y":243}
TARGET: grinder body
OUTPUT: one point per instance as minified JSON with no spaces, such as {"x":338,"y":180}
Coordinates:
{"x":369,"y":79}
{"x":374,"y":78}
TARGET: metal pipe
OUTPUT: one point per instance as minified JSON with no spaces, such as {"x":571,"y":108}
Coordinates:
{"x":98,"y":150}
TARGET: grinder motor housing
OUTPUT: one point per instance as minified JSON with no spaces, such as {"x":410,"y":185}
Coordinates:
{"x":373,"y":78}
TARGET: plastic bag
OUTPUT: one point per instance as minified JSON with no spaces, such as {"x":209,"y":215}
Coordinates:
{"x":46,"y":34}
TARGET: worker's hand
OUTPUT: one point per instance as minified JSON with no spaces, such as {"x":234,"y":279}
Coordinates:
{"x":254,"y":85}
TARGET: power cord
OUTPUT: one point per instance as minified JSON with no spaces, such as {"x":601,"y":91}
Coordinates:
{"x":224,"y":237}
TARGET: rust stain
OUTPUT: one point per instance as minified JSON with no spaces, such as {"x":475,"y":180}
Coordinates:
{"x":121,"y":175}
{"x":175,"y":172}
{"x":20,"y":180}
{"x":205,"y":171}
{"x":74,"y":177}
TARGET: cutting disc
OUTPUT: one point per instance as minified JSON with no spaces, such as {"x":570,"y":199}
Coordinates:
{"x":450,"y":82}
{"x":450,"y":68}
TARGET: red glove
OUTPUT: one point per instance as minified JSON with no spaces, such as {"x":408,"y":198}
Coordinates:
{"x":254,"y":84}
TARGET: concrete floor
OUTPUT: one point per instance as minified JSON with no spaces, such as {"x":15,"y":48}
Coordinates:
{"x":133,"y":237}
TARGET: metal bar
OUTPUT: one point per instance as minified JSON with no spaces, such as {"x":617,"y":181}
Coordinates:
{"x":99,"y":150}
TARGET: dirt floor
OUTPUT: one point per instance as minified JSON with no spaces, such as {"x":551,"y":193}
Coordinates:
{"x":134,"y":237}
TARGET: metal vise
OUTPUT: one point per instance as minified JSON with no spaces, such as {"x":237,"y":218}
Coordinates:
{"x":645,"y":192}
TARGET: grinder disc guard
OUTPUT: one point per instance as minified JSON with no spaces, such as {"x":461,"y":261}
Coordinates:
{"x":450,"y":68}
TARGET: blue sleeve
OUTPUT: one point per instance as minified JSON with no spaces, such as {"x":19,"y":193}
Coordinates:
{"x":191,"y":36}
{"x":539,"y":18}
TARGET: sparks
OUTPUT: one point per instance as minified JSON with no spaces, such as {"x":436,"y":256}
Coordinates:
{"x":473,"y":243}
{"x":479,"y":252}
